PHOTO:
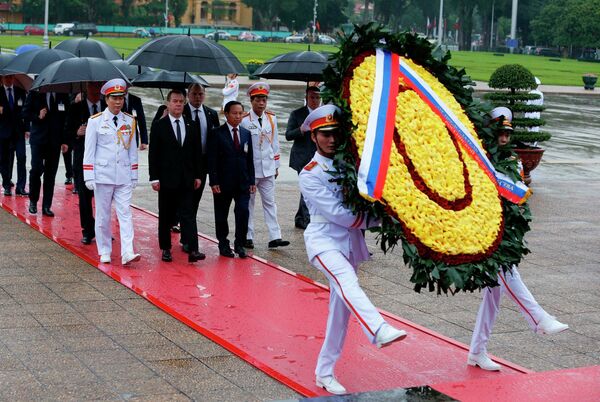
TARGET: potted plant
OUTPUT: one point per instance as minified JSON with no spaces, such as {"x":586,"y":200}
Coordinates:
{"x":252,"y":65}
{"x":589,"y":81}
{"x":516,"y":86}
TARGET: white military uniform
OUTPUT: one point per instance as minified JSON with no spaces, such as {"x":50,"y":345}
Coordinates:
{"x":111,"y":162}
{"x":335,"y":246}
{"x":511,"y":285}
{"x":265,"y":145}
{"x":230,"y":91}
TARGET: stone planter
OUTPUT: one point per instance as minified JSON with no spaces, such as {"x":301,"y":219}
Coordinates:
{"x":252,"y":67}
{"x":589,"y":81}
{"x":530,"y":158}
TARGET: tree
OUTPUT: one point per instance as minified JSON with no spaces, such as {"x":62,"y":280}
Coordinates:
{"x":178,"y":8}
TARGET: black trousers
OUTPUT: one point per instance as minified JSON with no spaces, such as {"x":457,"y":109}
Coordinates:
{"x":171,"y":202}
{"x":8,"y":148}
{"x":86,"y":212}
{"x":44,"y":161}
{"x":222,"y":203}
{"x":68,"y":159}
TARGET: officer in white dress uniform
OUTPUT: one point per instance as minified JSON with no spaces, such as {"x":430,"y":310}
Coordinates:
{"x":335,"y":245}
{"x":510,"y":284}
{"x":262,"y":124}
{"x":110,"y":169}
{"x":231,"y":89}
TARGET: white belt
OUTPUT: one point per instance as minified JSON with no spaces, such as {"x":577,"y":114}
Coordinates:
{"x":318,"y":219}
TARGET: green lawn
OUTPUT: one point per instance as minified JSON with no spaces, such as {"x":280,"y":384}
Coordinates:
{"x":479,"y":65}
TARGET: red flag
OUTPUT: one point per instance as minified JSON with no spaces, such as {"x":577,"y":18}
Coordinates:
{"x":434,"y":22}
{"x":456,"y":25}
{"x":318,"y":26}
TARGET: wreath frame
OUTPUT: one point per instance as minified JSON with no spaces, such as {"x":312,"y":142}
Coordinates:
{"x":428,"y":273}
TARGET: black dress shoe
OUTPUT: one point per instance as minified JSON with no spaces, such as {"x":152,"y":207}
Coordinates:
{"x":69,"y":180}
{"x":301,"y":225}
{"x":47,"y":212}
{"x":278,"y":243}
{"x":249,"y":244}
{"x":166,"y":256}
{"x":196,"y":256}
{"x":21,"y":192}
{"x":241,"y":251}
{"x":32,"y":209}
{"x":86,"y":240}
{"x":7,"y":191}
{"x":226,"y":252}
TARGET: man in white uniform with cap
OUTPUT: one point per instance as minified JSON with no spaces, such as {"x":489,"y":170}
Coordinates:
{"x":110,"y":169}
{"x":262,"y":125}
{"x":231,"y":89}
{"x":510,"y":284}
{"x":336,"y":246}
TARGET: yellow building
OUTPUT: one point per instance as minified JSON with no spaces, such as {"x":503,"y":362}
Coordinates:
{"x":230,"y":13}
{"x":7,"y":11}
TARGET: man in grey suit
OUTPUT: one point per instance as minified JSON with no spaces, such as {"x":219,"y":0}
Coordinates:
{"x":303,"y":149}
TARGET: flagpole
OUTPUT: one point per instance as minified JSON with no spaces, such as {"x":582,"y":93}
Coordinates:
{"x":46,"y":25}
{"x":441,"y":23}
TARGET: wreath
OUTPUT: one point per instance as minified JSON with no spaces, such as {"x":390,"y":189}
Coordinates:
{"x":456,"y":232}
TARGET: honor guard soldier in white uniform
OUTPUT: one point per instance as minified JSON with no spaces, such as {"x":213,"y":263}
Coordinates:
{"x":336,"y":246}
{"x":510,"y":284}
{"x":262,"y":124}
{"x":110,"y":169}
{"x":231,"y":89}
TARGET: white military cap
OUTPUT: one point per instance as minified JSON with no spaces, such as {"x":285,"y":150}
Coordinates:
{"x":116,"y":86}
{"x":497,"y":112}
{"x":323,"y":118}
{"x":258,"y":88}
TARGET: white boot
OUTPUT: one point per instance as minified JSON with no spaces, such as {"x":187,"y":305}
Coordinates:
{"x":388,"y":334}
{"x":550,"y":326}
{"x":331,"y":385}
{"x":105,"y":258}
{"x":483,"y":361}
{"x":130,"y":257}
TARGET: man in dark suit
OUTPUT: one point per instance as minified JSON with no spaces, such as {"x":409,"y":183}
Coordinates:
{"x":47,"y":114}
{"x":74,"y":133}
{"x":133,"y":106}
{"x":303,"y":149}
{"x":12,"y":135}
{"x":231,"y":173}
{"x":174,"y":164}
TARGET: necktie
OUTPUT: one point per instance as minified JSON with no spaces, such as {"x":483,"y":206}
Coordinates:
{"x":52,"y":102}
{"x":94,"y":109}
{"x":236,"y":140}
{"x":178,"y":132}
{"x":115,"y":118}
{"x":11,"y":100}
{"x":197,"y":113}
{"x":260,"y":121}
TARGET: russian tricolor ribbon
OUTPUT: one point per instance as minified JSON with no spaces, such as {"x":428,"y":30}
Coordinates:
{"x":375,"y":159}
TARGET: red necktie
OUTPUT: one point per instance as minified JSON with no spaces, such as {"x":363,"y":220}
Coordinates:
{"x":236,"y":140}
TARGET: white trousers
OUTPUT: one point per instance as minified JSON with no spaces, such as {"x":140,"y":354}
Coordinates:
{"x":345,"y":297}
{"x":266,"y":187}
{"x":104,"y":195}
{"x":511,"y":285}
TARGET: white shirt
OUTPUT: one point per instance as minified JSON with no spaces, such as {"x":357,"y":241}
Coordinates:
{"x":238,"y":133}
{"x":181,"y":126}
{"x":203,"y":125}
{"x":12,"y":90}
{"x":91,"y":107}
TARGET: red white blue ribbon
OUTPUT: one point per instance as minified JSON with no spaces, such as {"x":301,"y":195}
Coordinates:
{"x":375,"y":158}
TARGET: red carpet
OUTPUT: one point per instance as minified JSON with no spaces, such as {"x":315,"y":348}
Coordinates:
{"x":265,"y":314}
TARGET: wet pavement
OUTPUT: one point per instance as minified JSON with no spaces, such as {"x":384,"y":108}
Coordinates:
{"x":69,"y":332}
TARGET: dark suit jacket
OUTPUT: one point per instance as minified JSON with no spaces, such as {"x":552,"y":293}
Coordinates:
{"x":135,"y":103}
{"x":174,"y":165}
{"x":11,"y":121}
{"x":79,"y":114}
{"x":230,"y":169}
{"x":48,"y":131}
{"x":303,"y":148}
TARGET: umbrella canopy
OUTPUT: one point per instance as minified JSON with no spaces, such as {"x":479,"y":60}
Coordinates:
{"x":34,"y":61}
{"x":85,"y":47}
{"x":129,"y":70}
{"x":187,"y":53}
{"x":296,"y":66}
{"x":167,"y":79}
{"x":70,"y":76}
{"x":6,"y":58}
{"x":26,"y":48}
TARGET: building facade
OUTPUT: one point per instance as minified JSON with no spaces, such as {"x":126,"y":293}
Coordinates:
{"x":222,"y":13}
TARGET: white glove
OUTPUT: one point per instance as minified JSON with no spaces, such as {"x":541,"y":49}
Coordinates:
{"x":91,"y":184}
{"x":133,"y":184}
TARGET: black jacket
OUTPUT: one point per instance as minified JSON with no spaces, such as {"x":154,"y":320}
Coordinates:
{"x":230,"y":169}
{"x":303,"y":148}
{"x":49,"y":130}
{"x":135,"y":103}
{"x":11,"y":121}
{"x":169,"y":163}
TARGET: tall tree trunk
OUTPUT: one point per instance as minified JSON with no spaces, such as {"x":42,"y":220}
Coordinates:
{"x":465,"y":13}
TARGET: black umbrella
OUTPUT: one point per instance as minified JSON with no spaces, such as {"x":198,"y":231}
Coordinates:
{"x":167,"y":79}
{"x":129,"y":70}
{"x":34,"y":61}
{"x":21,"y":80}
{"x":6,"y":58}
{"x":71,"y":75}
{"x":187,"y":53}
{"x":296,"y":66}
{"x":84,"y":47}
